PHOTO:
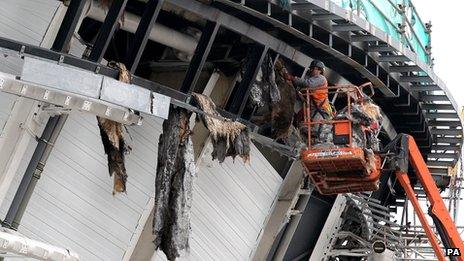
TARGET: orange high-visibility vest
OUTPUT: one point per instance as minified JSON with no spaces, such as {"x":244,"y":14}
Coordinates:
{"x":321,"y":95}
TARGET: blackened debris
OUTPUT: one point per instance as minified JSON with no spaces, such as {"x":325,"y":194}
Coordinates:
{"x":229,"y":138}
{"x":264,"y":89}
{"x":275,"y":98}
{"x":112,"y":134}
{"x":282,"y":109}
{"x":174,"y":184}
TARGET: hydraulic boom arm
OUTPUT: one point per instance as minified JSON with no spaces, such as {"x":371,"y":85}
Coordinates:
{"x":440,"y":215}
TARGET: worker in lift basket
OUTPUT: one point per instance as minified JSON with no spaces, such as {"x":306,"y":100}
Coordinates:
{"x":320,"y":106}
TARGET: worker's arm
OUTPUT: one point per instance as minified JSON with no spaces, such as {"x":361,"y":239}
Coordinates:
{"x":311,"y":82}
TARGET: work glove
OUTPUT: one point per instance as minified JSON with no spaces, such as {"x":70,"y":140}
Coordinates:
{"x":289,"y":77}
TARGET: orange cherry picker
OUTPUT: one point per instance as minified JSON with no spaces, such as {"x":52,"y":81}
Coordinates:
{"x":341,"y":167}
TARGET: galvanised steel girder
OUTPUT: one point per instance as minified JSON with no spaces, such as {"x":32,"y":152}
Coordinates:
{"x":437,"y":106}
{"x":405,"y":68}
{"x":447,"y":123}
{"x":442,"y":115}
{"x":424,"y":87}
{"x":142,"y":33}
{"x":107,"y":30}
{"x":68,"y":25}
{"x":199,"y":57}
{"x":254,"y":61}
{"x":442,"y":155}
{"x":445,"y":147}
{"x":435,"y":131}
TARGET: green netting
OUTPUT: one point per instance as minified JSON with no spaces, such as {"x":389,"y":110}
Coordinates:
{"x":385,"y":15}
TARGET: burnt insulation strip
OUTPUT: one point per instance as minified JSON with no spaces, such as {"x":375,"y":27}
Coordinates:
{"x":174,"y":184}
{"x":229,"y":138}
{"x":112,"y":134}
{"x":283,"y":108}
{"x":274,"y":98}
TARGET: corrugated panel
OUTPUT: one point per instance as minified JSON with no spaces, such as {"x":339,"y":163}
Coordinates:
{"x":14,"y":25}
{"x":25,"y":21}
{"x":6,"y":102}
{"x":230,"y":204}
{"x":73,"y":206}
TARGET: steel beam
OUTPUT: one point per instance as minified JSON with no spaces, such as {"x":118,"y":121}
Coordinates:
{"x":325,"y":17}
{"x":300,"y":202}
{"x":33,"y":171}
{"x":279,"y":215}
{"x":346,"y":28}
{"x":199,"y":58}
{"x":443,"y":155}
{"x":304,"y":6}
{"x":446,"y":147}
{"x":446,"y":131}
{"x":444,"y":115}
{"x":426,"y":87}
{"x":332,"y":225}
{"x":363,"y":38}
{"x":435,"y":106}
{"x":432,"y":98}
{"x":146,"y":24}
{"x":450,"y":140}
{"x":405,"y":68}
{"x":253,"y":65}
{"x":105,"y":35}
{"x":393,"y":58}
{"x":379,"y":48}
{"x":68,"y":26}
{"x":434,"y":123}
{"x":441,"y":163}
{"x":416,"y":78}
{"x":407,"y":104}
{"x":438,"y":170}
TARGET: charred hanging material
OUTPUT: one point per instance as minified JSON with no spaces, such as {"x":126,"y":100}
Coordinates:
{"x":174,"y":184}
{"x":282,"y":109}
{"x":229,"y":138}
{"x":264,"y":88}
{"x":271,"y":90}
{"x":112,"y":134}
{"x":251,"y":67}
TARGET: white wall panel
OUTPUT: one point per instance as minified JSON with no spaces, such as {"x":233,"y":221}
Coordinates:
{"x":73,"y":206}
{"x":14,"y":25}
{"x":25,"y":21}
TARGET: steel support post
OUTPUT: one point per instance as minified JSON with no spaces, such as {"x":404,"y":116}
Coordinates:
{"x":68,"y":26}
{"x":199,"y":58}
{"x":252,"y":66}
{"x":105,"y":35}
{"x":33,"y":171}
{"x":278,"y":217}
{"x":147,"y":21}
